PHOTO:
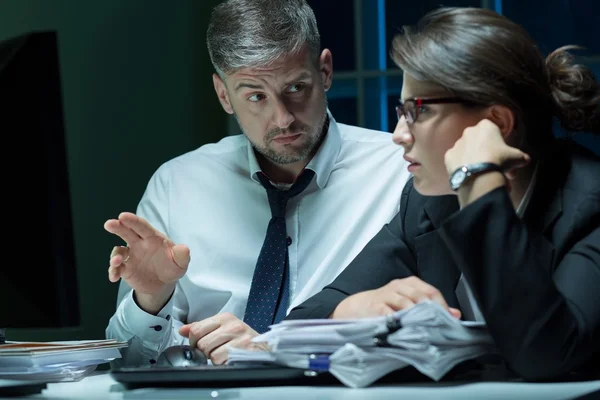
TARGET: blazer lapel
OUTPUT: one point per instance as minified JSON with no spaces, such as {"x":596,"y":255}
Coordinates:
{"x":553,"y":211}
{"x":434,"y":260}
{"x":548,"y":193}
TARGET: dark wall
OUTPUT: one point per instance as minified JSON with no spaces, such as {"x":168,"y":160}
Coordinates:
{"x":137,"y":91}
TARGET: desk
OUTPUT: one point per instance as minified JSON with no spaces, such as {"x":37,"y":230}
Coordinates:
{"x":102,"y":386}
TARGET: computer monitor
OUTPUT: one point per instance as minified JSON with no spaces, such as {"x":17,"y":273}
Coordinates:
{"x":38,"y":285}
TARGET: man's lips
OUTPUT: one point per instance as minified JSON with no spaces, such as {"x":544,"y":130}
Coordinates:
{"x":285,"y":139}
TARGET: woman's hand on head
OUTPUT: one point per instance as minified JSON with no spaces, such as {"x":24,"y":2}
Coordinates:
{"x":484,"y":143}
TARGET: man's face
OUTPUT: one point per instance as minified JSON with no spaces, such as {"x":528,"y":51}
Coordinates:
{"x":282,"y":108}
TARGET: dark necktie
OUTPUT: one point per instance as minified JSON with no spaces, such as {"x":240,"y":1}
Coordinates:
{"x":269,"y":294}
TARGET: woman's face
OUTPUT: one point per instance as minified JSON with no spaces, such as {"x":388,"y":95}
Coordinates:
{"x":435,"y":131}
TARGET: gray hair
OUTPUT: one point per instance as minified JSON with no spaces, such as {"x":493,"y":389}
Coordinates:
{"x":255,"y":33}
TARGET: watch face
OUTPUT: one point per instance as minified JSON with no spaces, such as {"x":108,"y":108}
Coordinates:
{"x":458,"y":178}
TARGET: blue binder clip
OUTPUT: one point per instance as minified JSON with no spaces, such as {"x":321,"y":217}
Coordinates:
{"x":318,"y":363}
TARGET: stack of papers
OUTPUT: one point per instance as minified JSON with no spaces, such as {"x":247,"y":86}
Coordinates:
{"x":358,"y":352}
{"x":55,"y":361}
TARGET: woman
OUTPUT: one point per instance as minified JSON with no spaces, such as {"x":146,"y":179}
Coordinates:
{"x":501,"y":221}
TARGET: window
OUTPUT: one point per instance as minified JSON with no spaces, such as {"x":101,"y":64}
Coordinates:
{"x":367,"y":84}
{"x":374,"y":83}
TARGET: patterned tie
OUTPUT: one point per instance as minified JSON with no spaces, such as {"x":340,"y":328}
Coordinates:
{"x":269,"y":294}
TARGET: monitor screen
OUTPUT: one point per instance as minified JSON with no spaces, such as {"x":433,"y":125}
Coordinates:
{"x":38,"y":280}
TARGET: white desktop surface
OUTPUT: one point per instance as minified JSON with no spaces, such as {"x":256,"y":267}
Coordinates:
{"x":101,"y":386}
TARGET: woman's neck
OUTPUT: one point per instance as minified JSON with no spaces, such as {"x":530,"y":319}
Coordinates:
{"x":521,"y":183}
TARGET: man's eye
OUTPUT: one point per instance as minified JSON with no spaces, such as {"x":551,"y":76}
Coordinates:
{"x":423,"y":109}
{"x":256,"y":97}
{"x":296,"y":88}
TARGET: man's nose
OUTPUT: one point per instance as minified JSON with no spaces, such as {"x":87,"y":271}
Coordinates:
{"x":283,"y":118}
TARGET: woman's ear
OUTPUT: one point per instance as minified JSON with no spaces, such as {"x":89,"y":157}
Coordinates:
{"x":504,"y":118}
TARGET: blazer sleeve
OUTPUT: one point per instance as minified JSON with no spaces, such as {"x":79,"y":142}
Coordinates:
{"x":386,"y":257}
{"x":543,"y":312}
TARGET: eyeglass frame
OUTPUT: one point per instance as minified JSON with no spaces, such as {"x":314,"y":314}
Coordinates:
{"x":420,"y":101}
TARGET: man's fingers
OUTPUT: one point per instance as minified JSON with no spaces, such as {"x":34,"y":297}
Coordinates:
{"x":228,"y":327}
{"x":114,"y":274}
{"x":115,"y":227}
{"x":198,"y":330}
{"x":181,"y":255}
{"x":118,"y":256}
{"x":214,"y":340}
{"x":185,"y":330}
{"x":138,"y":224}
{"x":119,"y":250}
{"x":220,"y":355}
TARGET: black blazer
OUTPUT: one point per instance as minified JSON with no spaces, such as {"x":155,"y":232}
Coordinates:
{"x":536,"y":280}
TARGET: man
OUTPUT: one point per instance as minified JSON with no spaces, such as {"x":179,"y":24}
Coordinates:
{"x":229,"y":237}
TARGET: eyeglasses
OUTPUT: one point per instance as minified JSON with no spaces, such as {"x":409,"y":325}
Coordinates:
{"x":410,"y":108}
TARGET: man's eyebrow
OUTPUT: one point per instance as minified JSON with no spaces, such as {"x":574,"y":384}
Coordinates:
{"x":299,"y":77}
{"x":242,"y":85}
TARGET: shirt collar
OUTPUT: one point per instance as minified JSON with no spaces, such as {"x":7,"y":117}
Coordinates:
{"x":527,"y":197}
{"x":323,"y":161}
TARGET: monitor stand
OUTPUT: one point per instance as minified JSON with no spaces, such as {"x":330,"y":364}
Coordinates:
{"x":2,"y":335}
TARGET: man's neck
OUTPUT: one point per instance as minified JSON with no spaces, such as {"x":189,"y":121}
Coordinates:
{"x":282,"y":173}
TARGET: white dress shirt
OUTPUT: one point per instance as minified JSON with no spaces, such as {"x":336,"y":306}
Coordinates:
{"x":211,"y":200}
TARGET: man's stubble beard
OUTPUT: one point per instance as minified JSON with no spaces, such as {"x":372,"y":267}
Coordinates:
{"x":312,"y":141}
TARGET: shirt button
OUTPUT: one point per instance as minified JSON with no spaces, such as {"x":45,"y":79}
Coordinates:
{"x":168,"y":317}
{"x":289,"y":240}
{"x":157,"y":328}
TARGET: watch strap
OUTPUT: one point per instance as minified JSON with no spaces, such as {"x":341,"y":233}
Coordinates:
{"x":469,"y":170}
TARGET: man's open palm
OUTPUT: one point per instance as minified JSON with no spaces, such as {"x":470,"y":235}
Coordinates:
{"x":150,"y":261}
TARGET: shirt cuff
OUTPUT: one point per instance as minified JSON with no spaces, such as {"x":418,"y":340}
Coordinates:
{"x":148,"y":327}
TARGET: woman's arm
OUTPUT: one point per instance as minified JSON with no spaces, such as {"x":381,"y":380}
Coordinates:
{"x":545,"y":321}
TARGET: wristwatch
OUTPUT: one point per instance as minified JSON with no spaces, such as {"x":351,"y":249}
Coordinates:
{"x":459,"y":176}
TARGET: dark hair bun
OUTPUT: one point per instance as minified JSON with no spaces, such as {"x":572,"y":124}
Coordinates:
{"x":575,"y":90}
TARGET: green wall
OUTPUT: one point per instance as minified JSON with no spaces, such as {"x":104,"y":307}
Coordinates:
{"x":137,"y":91}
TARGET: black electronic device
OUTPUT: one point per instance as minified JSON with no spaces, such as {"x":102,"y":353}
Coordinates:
{"x":38,"y":279}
